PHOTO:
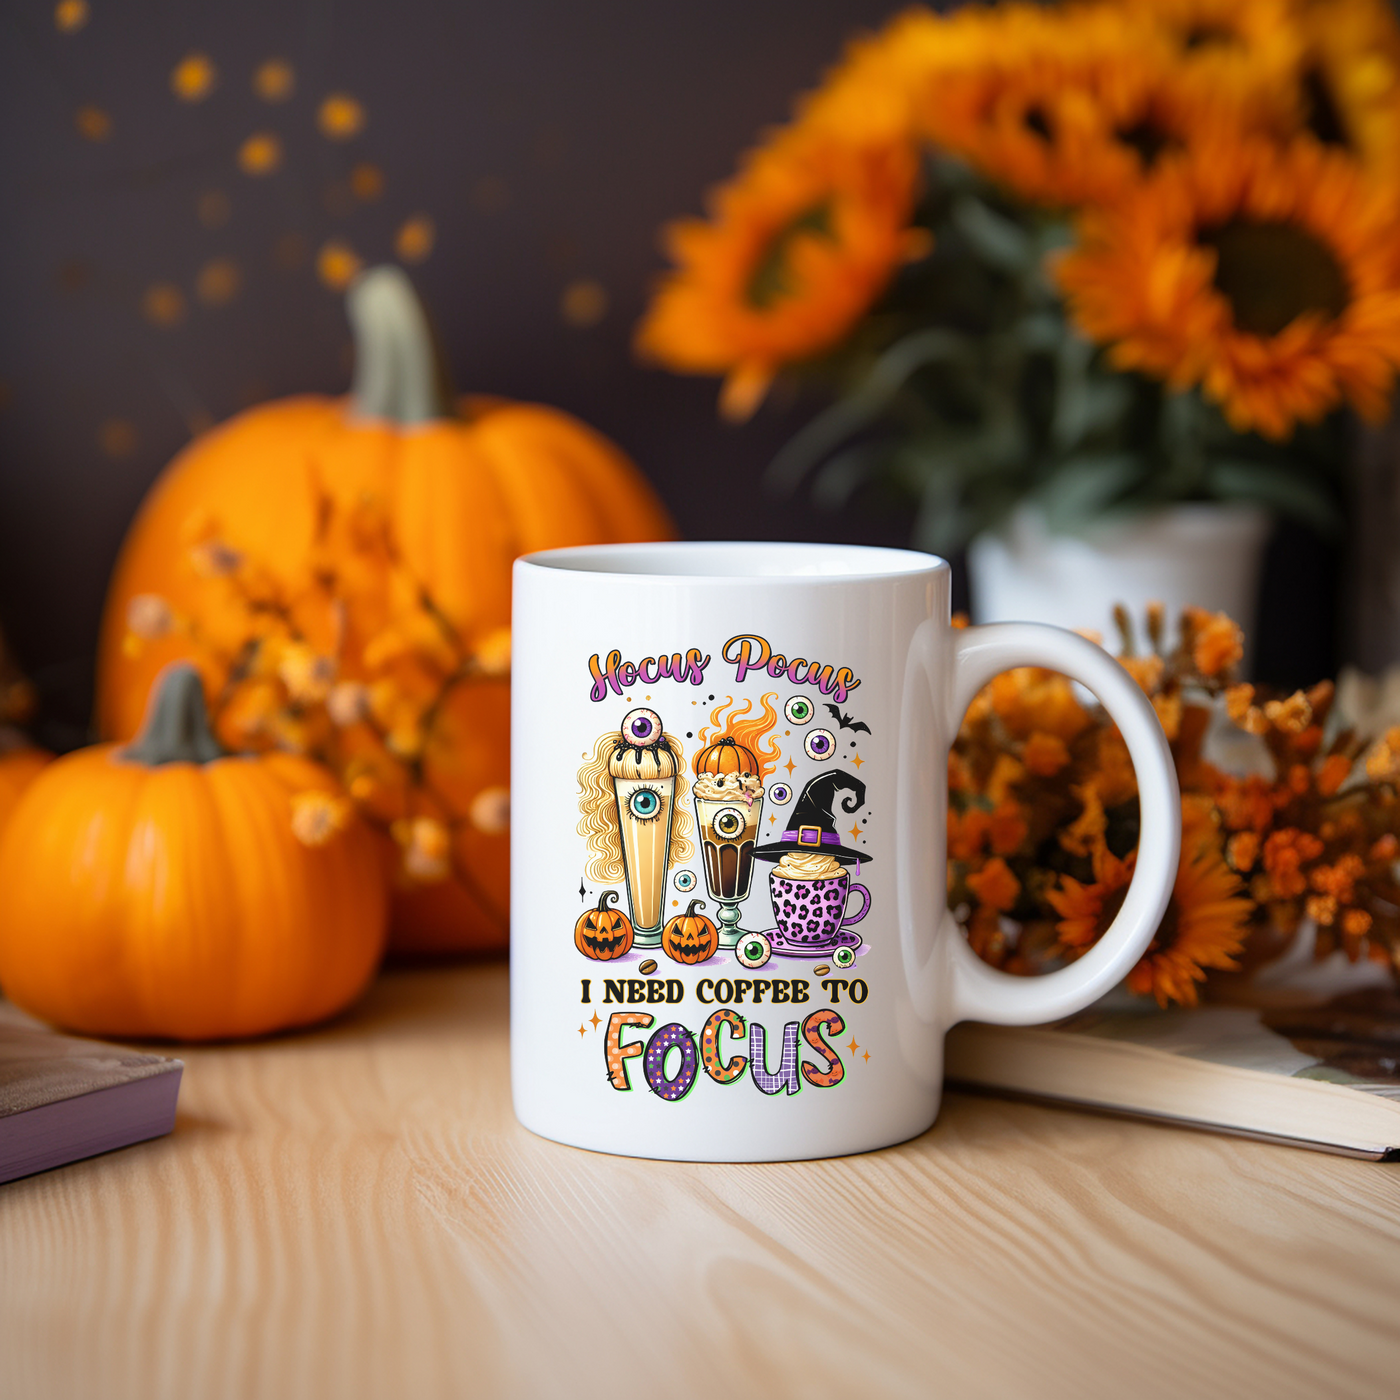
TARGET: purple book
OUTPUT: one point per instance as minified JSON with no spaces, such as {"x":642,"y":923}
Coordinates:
{"x":62,"y":1099}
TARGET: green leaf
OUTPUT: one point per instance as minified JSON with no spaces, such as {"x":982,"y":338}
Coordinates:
{"x":1084,"y":487}
{"x":838,"y":478}
{"x":939,"y":525}
{"x":860,"y":408}
{"x":1280,"y":487}
{"x":994,"y":239}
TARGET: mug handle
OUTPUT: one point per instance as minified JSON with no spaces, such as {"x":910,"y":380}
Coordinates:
{"x":957,"y":664}
{"x":848,"y":919}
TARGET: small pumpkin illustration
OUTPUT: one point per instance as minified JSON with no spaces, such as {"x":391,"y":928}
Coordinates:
{"x":603,"y":933}
{"x":690,"y":937}
{"x":724,"y":758}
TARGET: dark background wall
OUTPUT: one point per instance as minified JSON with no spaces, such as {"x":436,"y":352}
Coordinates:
{"x":149,"y":286}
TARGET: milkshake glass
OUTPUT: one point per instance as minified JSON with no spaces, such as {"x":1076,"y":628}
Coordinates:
{"x":643,"y":769}
{"x":728,"y":809}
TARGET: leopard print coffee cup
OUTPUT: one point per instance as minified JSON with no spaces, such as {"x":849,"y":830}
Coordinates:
{"x":810,"y":891}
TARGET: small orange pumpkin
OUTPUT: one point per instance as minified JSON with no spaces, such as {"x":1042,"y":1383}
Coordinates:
{"x":690,"y":937}
{"x":167,"y":890}
{"x":603,"y":933}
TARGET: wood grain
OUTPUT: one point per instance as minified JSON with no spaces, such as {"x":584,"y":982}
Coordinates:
{"x":355,"y":1212}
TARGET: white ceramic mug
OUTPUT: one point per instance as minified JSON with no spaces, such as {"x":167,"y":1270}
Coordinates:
{"x":817,"y":688}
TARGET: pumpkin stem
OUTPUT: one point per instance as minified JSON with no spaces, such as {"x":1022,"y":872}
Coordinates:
{"x":606,"y":898}
{"x":694,"y":905}
{"x":176,"y":727}
{"x":399,"y":371}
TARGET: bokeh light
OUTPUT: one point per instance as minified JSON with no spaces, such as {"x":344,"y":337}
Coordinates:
{"x":218,"y":282}
{"x":163,"y":304}
{"x":194,"y":77}
{"x":117,"y":437}
{"x":260,"y":154}
{"x":415,"y":238}
{"x":337,"y":264}
{"x":93,"y":123}
{"x":340,"y":117}
{"x":69,"y":16}
{"x":275,"y":80}
{"x":584,"y":303}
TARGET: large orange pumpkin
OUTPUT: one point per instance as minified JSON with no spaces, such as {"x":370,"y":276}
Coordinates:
{"x":18,"y":768}
{"x":166,"y":890}
{"x":467,"y":487}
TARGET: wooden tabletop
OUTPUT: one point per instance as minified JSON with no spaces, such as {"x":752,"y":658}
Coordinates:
{"x":354,"y":1212}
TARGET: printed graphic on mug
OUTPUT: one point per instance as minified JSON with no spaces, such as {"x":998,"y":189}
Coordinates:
{"x":731,"y":826}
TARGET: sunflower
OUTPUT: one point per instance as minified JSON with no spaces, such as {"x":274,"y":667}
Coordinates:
{"x":872,"y":95}
{"x":1267,"y":275}
{"x":796,"y":249}
{"x":1204,"y":924}
{"x":1250,"y":42}
{"x":1348,"y":88}
{"x":1071,"y":107}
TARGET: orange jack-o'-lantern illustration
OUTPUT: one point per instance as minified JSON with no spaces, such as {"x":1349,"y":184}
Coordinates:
{"x":690,"y":937}
{"x":726,"y":757}
{"x":603,"y":933}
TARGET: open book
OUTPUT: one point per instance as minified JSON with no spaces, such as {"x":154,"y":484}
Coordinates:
{"x":1306,"y":1054}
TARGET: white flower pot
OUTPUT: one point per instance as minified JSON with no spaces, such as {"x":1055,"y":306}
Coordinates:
{"x":1186,"y":555}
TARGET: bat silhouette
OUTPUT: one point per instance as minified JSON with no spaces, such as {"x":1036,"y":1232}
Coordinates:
{"x":846,"y":722}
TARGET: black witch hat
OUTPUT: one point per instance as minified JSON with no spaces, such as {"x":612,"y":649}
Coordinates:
{"x":812,"y":827}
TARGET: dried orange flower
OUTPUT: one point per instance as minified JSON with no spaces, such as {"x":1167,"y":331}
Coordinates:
{"x":1336,"y":769}
{"x":1315,"y":830}
{"x":1356,"y":923}
{"x":967,"y":832}
{"x":149,"y":617}
{"x":489,"y":811}
{"x":318,"y":816}
{"x":1285,"y":854}
{"x":1218,"y":644}
{"x":1007,"y":828}
{"x":1044,"y":754}
{"x":427,"y":848}
{"x":995,"y":885}
{"x":1242,"y":850}
{"x":1292,"y":715}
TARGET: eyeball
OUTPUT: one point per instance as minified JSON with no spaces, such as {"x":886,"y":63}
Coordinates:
{"x":779,"y":794}
{"x":641,"y":728}
{"x":729,"y":822}
{"x":753,"y":950}
{"x":844,"y":957}
{"x":820,"y":743}
{"x":684,"y":881}
{"x":799,"y":710}
{"x":644,"y":804}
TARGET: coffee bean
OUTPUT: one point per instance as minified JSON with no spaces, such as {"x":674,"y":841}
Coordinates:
{"x":648,"y":967}
{"x":821,"y":971}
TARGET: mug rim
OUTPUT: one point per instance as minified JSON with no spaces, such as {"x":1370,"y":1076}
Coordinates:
{"x":699,"y":562}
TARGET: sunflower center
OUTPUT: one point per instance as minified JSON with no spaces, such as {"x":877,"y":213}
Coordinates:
{"x":1272,"y":273}
{"x":1209,"y":36}
{"x":1147,"y":139}
{"x":1036,"y":119}
{"x":772,"y":277}
{"x":1325,"y":119}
